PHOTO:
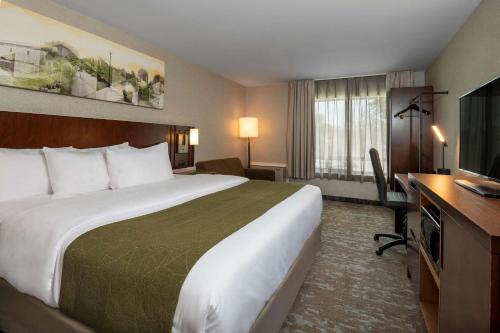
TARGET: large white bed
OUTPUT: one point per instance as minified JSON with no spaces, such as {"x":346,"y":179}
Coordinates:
{"x":226,"y":289}
{"x":246,"y":281}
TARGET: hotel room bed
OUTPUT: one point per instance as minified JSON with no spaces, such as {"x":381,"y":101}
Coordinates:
{"x":246,"y":282}
{"x":250,"y":277}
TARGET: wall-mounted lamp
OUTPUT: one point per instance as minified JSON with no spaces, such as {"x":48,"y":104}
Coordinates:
{"x":440,"y":136}
{"x":249,"y":128}
{"x":193,"y":136}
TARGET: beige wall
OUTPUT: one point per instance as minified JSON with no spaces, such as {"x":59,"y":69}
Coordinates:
{"x":471,"y":59}
{"x":269,"y":103}
{"x":194,"y":96}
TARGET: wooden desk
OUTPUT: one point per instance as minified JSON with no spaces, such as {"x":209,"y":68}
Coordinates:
{"x":462,"y":292}
{"x":401,"y":182}
{"x":481,"y":214}
{"x":400,"y":185}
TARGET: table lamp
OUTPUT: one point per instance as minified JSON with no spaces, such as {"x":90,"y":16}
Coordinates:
{"x":440,"y":136}
{"x":249,"y":128}
{"x":193,"y":136}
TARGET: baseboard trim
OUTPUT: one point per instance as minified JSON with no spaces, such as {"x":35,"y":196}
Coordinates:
{"x":352,"y":200}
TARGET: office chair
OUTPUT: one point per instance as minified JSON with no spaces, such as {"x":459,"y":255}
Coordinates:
{"x":394,"y":200}
{"x":495,"y":168}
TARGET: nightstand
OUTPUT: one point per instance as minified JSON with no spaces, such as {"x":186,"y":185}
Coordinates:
{"x":278,"y":168}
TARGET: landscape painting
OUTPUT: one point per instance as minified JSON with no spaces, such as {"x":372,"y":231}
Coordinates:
{"x":40,"y":53}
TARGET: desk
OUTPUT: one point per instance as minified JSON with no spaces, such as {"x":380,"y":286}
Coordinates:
{"x":461,"y":292}
{"x":400,"y":185}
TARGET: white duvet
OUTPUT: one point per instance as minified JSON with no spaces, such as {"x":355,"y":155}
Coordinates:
{"x":224,"y":291}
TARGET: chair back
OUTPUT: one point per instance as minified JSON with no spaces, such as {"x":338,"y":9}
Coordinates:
{"x":495,"y":168}
{"x":379,"y":176}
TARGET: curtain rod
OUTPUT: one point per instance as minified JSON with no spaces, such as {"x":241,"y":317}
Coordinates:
{"x":349,"y":77}
{"x":366,"y":75}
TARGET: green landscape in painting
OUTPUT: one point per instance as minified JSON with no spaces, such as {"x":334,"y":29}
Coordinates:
{"x":74,"y":62}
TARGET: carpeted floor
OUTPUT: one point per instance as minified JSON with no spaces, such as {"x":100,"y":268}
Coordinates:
{"x":349,"y":287}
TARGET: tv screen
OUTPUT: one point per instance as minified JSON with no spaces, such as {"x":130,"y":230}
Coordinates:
{"x":480,"y":131}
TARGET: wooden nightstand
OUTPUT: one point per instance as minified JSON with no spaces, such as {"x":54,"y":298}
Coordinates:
{"x":278,"y":168}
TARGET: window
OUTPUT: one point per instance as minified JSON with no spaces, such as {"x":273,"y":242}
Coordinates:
{"x":350,"y":118}
{"x":368,"y":130}
{"x":331,"y":136}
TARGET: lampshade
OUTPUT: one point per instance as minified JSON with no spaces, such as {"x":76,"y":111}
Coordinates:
{"x":193,"y":136}
{"x":249,"y":127}
{"x":438,"y":133}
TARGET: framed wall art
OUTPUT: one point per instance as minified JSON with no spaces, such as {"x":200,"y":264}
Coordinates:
{"x":42,"y":54}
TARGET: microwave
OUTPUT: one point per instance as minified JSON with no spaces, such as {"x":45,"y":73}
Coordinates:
{"x":431,"y":233}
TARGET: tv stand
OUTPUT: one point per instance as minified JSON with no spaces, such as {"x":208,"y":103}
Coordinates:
{"x":459,"y":292}
{"x":484,"y":188}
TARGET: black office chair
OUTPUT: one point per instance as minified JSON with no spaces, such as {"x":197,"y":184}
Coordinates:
{"x":495,"y":168}
{"x":394,"y":200}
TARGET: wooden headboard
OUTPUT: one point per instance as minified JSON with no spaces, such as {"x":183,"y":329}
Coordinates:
{"x":28,"y":130}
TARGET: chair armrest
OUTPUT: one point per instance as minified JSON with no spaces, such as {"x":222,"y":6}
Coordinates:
{"x":205,"y":171}
{"x":260,"y":174}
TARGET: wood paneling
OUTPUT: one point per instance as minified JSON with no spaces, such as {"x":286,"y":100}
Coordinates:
{"x":405,"y":132}
{"x":27,"y":130}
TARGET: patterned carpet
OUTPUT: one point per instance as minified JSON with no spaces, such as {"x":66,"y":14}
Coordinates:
{"x":350,"y":288}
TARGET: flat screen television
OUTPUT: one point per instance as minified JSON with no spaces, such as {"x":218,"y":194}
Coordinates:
{"x":480,"y":131}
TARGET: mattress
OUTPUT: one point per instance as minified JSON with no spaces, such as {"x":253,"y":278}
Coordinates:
{"x":35,"y":232}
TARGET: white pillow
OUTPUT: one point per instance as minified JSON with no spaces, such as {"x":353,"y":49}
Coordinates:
{"x":129,"y":167}
{"x":103,"y":149}
{"x":23,"y":173}
{"x":74,"y":172}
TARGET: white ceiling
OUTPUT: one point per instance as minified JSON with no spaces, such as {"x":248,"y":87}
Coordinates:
{"x":255,"y":42}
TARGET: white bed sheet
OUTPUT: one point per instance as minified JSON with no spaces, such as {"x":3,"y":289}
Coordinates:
{"x":224,"y":291}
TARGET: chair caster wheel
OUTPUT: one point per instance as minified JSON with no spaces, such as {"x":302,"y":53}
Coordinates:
{"x":375,"y":238}
{"x":379,"y":253}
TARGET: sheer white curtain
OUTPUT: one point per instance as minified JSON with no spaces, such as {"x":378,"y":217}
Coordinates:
{"x":368,"y":123}
{"x":331,"y":128}
{"x":401,"y":79}
{"x":351,"y":118}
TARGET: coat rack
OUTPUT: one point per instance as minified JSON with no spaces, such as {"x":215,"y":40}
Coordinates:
{"x":416,"y":104}
{"x":412,"y":107}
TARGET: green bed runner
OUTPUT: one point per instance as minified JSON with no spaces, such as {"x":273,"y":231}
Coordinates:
{"x":127,"y":276}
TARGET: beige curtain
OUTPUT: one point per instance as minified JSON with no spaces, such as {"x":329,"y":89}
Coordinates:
{"x":351,"y":118}
{"x":402,"y":79}
{"x":300,"y":129}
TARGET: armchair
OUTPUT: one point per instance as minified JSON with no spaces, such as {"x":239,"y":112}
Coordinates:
{"x":233,"y":166}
